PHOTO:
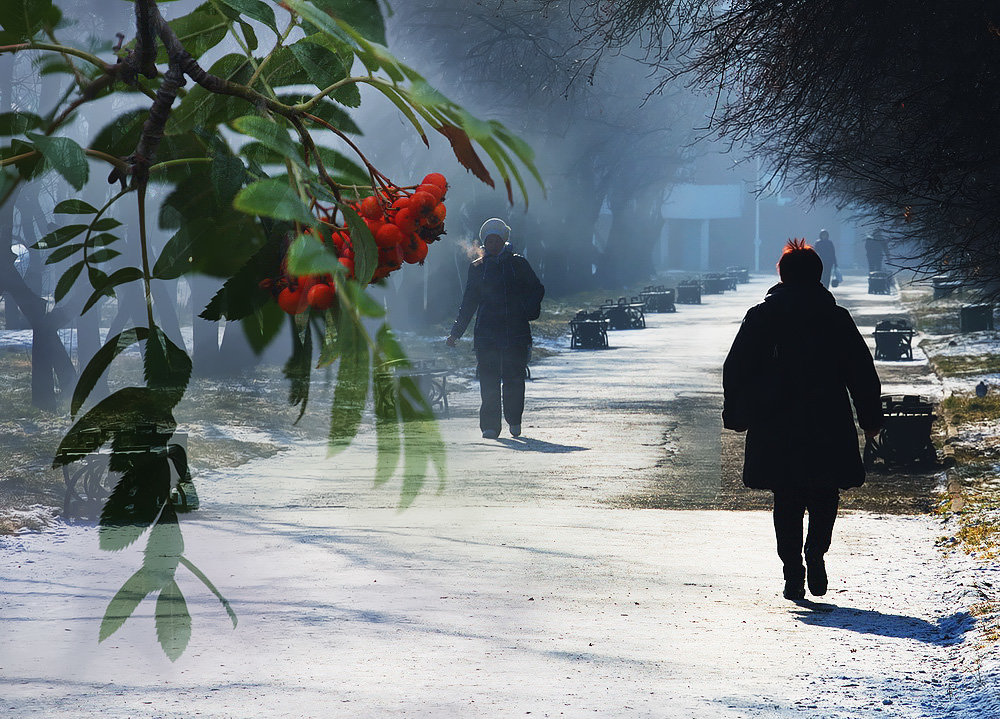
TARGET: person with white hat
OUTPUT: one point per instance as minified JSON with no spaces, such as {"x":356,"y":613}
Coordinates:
{"x":505,"y":295}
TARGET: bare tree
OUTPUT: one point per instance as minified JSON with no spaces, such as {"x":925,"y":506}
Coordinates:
{"x":887,"y":107}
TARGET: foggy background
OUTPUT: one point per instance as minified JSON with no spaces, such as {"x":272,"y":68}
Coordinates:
{"x":633,"y":187}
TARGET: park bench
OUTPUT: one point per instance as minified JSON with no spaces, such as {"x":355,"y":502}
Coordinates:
{"x":658,"y":299}
{"x":689,"y":292}
{"x":975,"y":318}
{"x":893,"y":340}
{"x":714,"y":283}
{"x":625,"y":315}
{"x":944,"y":286}
{"x":740,"y":274}
{"x":432,"y":381}
{"x":89,"y":481}
{"x":589,"y":331}
{"x":879,"y":283}
{"x":905,"y":438}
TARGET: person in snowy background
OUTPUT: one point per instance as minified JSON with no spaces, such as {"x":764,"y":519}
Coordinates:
{"x":505,"y":294}
{"x":875,"y":250}
{"x":796,"y":360}
{"x":827,"y":254}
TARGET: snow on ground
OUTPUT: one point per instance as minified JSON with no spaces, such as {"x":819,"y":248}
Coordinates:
{"x":520,"y":589}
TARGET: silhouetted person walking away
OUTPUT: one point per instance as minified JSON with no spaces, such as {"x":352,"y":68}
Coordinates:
{"x":504,"y":293}
{"x":827,"y":254}
{"x":796,"y":363}
{"x":876,"y":250}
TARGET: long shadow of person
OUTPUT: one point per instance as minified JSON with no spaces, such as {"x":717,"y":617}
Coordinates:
{"x":946,"y":630}
{"x":526,"y":444}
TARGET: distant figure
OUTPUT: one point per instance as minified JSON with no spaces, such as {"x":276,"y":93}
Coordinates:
{"x":875,"y":250}
{"x":504,"y":293}
{"x":796,"y":363}
{"x":982,"y":388}
{"x":827,"y":254}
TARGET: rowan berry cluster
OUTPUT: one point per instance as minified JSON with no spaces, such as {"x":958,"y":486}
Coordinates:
{"x":403,"y":221}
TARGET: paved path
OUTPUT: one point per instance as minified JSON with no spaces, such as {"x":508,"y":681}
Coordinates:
{"x":531,"y":585}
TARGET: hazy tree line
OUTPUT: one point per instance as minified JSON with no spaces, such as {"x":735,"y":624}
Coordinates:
{"x":888,"y":107}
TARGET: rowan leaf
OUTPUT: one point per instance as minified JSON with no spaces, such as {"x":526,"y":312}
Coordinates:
{"x":126,"y":600}
{"x":65,"y":156}
{"x":461,"y":145}
{"x":273,"y":198}
{"x":75,"y":207}
{"x":101,"y":360}
{"x":173,"y":622}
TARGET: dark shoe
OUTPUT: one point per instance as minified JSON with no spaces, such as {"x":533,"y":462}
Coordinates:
{"x":795,"y":583}
{"x":817,"y":577}
{"x":515,"y":430}
{"x":490,"y":434}
{"x":794,"y":590}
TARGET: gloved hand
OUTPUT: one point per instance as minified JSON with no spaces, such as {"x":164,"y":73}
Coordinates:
{"x":450,"y":341}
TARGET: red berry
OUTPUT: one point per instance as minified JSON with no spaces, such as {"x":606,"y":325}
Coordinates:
{"x":391,"y":257}
{"x":433,"y":190}
{"x":415,"y":251}
{"x":348,"y":263}
{"x":435,"y":178}
{"x":321,"y":297}
{"x":401,"y":203}
{"x":422,"y":202}
{"x":405,"y":220}
{"x":292,"y":301}
{"x":370,"y":208}
{"x":389,"y":236}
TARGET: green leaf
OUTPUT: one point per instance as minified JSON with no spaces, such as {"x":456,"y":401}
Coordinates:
{"x":21,"y":19}
{"x":365,"y":249}
{"x":270,"y":134}
{"x":105,"y":238}
{"x":166,"y":367}
{"x":59,"y":237}
{"x":263,"y":325}
{"x":28,"y":167}
{"x":102,"y":256}
{"x":118,"y":414}
{"x":298,"y":369}
{"x":18,"y":123}
{"x":65,"y":282}
{"x":352,"y":383}
{"x":249,"y":36}
{"x":200,"y":107}
{"x":104,"y":224}
{"x":75,"y":207}
{"x":124,"y":603}
{"x":100,"y":362}
{"x":173,"y":622}
{"x":241,"y":294}
{"x":198,"y":31}
{"x":273,"y":198}
{"x":65,"y":156}
{"x":283,"y":69}
{"x":328,"y":111}
{"x":322,"y":65}
{"x":208,"y":583}
{"x":309,"y":256}
{"x":63,"y":252}
{"x":136,"y":501}
{"x":175,"y":257}
{"x":365,"y":16}
{"x":255,"y":10}
{"x":228,"y":176}
{"x":105,"y":286}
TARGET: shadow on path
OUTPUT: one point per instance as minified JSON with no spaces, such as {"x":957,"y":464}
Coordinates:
{"x":946,"y":630}
{"x":527,"y":444}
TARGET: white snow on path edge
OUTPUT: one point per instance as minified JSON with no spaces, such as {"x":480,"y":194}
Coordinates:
{"x":496,"y":612}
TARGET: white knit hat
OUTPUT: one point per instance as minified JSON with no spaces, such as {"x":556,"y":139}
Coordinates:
{"x":494,"y":226}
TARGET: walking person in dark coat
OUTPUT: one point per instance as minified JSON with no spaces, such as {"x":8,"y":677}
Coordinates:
{"x":828,"y":254}
{"x":504,"y":293}
{"x":875,"y":250}
{"x":796,"y":364}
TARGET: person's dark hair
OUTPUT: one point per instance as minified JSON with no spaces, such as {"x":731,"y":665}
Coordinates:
{"x":799,"y":263}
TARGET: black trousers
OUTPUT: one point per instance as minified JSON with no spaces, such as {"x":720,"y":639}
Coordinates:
{"x":790,"y":506}
{"x":501,"y":385}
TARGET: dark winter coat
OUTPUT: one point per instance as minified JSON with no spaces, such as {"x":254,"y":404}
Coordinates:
{"x":501,"y":291}
{"x":828,"y":255}
{"x":796,"y":363}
